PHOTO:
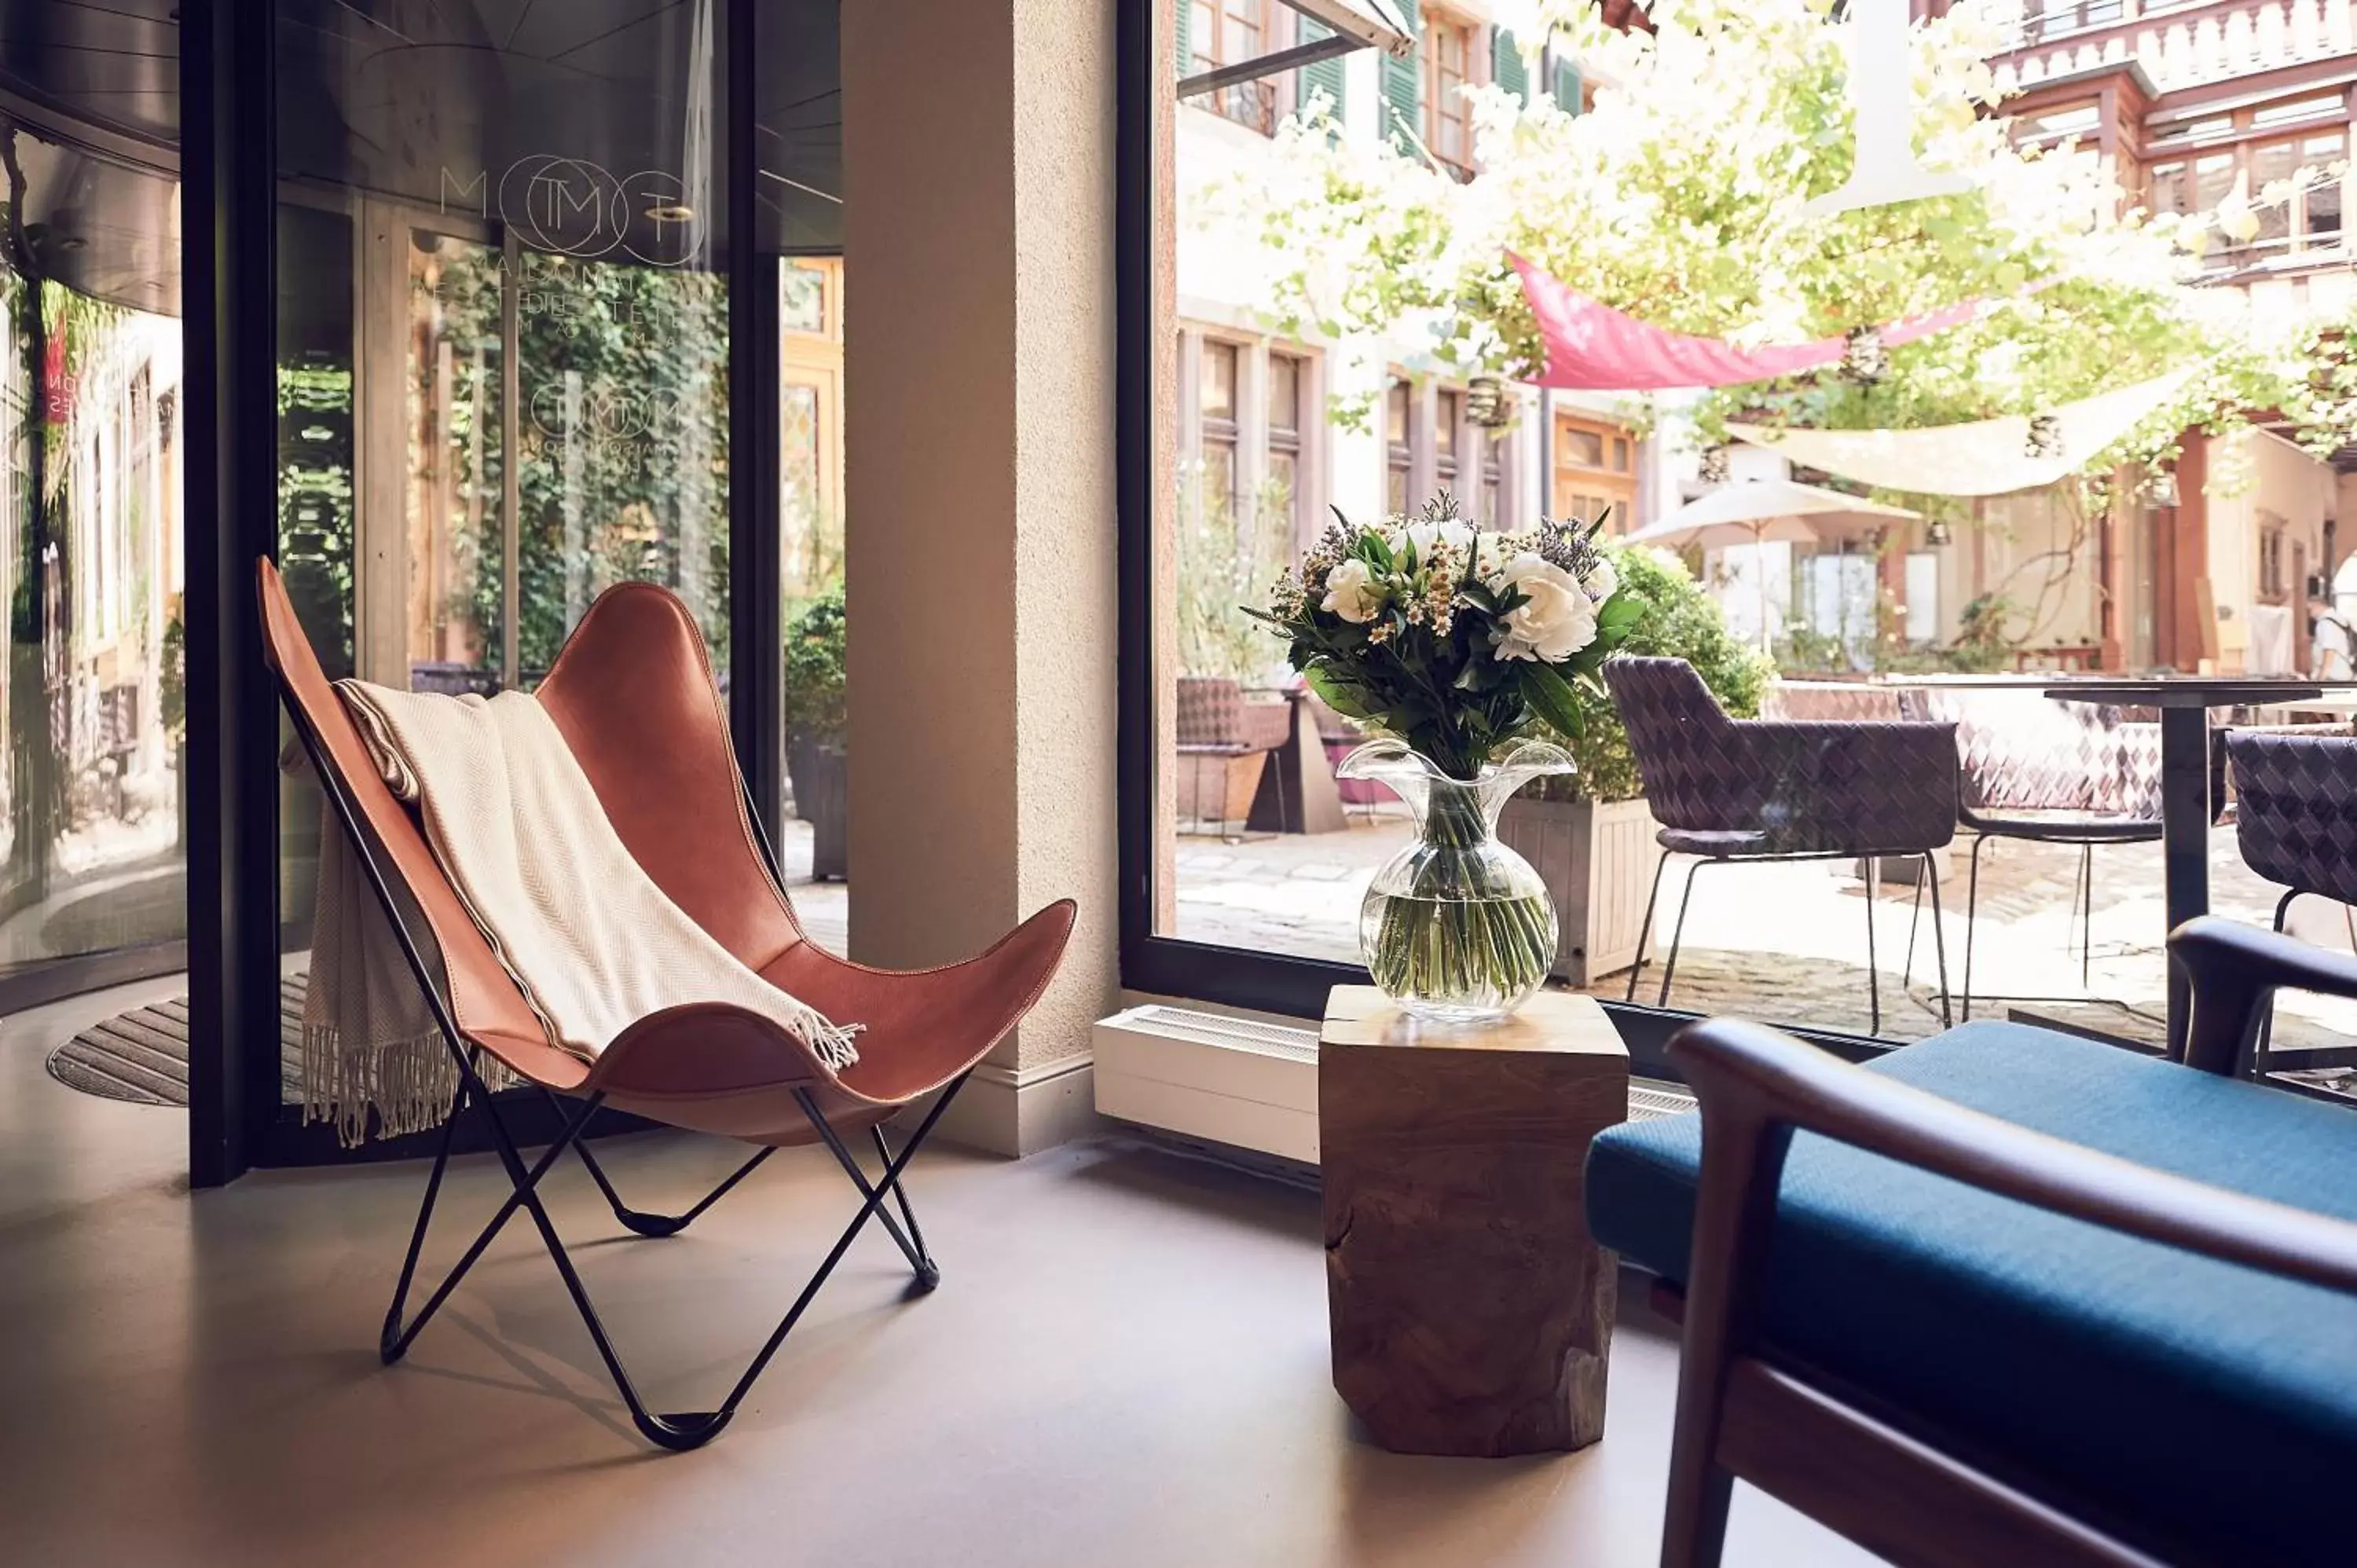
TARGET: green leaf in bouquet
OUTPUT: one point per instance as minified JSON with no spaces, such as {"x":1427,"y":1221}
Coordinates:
{"x":1619,"y":613}
{"x":1345,"y":697}
{"x":1550,"y":696}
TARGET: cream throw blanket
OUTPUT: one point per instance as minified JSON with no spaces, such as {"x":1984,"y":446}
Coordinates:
{"x":590,"y":939}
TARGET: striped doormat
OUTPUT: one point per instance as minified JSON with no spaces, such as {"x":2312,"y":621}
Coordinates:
{"x":141,"y":1056}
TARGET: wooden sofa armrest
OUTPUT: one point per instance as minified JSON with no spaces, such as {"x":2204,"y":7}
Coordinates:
{"x":1757,"y":1085}
{"x":2234,"y":970}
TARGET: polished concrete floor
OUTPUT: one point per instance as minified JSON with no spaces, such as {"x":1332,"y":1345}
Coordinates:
{"x":1125,"y":1365}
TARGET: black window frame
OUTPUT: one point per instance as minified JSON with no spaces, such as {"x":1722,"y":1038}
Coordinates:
{"x":1177,"y":966}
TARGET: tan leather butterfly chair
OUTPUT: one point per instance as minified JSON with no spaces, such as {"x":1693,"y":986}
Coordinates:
{"x":633,"y":695}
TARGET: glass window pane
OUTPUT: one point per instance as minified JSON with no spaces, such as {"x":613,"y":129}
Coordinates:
{"x":1584,"y":447}
{"x":1284,"y":392}
{"x":801,"y":298}
{"x":2271,"y":163}
{"x":456,"y":544}
{"x":1218,"y":380}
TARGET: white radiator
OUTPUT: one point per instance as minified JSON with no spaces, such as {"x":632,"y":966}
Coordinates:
{"x":1247,"y":1082}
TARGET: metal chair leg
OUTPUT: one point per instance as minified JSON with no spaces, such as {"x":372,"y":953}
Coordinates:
{"x":1971,"y":912}
{"x":900,"y":1194}
{"x":1677,"y":935}
{"x":2268,"y":1019}
{"x":2086,"y":916}
{"x":1907,"y":971}
{"x":397,"y":1339}
{"x":1939,"y":939}
{"x":676,"y":1430}
{"x":643,"y":1224}
{"x":390,"y":1341}
{"x":928,"y":1272}
{"x":1645,"y":930}
{"x":1873,"y":978}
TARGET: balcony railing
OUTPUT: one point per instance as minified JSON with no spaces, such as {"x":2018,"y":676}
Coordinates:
{"x":2179,"y":44}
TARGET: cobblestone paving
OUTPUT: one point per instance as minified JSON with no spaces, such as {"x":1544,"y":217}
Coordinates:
{"x":1780,"y":943}
{"x":1787,"y":943}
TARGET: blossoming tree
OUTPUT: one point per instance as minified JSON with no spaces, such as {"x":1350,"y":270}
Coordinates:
{"x":1683,"y":197}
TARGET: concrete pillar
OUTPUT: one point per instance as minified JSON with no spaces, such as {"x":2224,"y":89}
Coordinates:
{"x":978,"y":184}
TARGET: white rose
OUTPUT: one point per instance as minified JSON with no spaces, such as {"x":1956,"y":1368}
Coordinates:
{"x":1350,"y":592}
{"x":1555,"y":620}
{"x":1457,"y":536}
{"x":1601,"y":581}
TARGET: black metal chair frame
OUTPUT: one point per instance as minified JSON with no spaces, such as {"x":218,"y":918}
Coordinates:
{"x":1873,"y":860}
{"x":676,"y":1430}
{"x":2264,"y":1060}
{"x":2082,"y":906}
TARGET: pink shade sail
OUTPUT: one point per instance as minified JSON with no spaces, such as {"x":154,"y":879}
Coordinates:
{"x":1591,"y":346}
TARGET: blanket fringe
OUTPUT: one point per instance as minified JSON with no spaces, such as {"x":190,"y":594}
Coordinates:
{"x":410,"y":1084}
{"x":834,"y":1043}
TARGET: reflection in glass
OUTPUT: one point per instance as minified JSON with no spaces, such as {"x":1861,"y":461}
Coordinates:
{"x":502,"y":343}
{"x":92,"y":699}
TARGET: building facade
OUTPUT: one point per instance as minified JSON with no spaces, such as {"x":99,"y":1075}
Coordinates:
{"x":2230,"y":562}
{"x":1284,"y":428}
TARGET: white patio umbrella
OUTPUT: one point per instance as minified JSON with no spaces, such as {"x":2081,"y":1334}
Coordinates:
{"x":1757,"y":511}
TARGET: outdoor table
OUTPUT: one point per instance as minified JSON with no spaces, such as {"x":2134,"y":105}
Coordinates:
{"x":2186,"y":808}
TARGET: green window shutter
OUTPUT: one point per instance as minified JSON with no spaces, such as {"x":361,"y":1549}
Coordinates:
{"x":1566,"y":86}
{"x":1402,"y":82}
{"x":1506,"y":67}
{"x":1326,"y":76}
{"x":1185,"y":9}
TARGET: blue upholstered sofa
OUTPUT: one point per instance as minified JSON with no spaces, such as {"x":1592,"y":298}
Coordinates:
{"x":2018,"y":1297}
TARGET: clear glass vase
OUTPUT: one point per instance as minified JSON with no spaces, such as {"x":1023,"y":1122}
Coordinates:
{"x":1455,"y":927}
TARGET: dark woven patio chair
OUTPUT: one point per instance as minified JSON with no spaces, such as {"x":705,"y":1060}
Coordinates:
{"x":1753,"y":790}
{"x":2045,"y":772}
{"x":1223,"y":747}
{"x":2295,"y":823}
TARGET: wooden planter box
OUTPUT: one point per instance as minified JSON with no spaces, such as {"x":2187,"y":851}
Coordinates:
{"x":1598,"y":863}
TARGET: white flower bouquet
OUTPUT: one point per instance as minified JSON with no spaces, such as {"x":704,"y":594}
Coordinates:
{"x":1453,"y":645}
{"x":1454,"y":639}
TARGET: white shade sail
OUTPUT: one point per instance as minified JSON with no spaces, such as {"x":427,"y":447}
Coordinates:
{"x":1986,"y":458}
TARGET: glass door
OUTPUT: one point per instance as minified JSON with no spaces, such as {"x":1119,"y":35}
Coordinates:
{"x":502,"y":350}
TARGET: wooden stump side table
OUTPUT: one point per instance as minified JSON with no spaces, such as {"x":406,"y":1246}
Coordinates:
{"x":1470,"y":1310}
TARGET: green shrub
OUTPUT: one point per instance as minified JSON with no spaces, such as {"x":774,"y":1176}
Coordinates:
{"x":815,"y":650}
{"x":1680,"y":621}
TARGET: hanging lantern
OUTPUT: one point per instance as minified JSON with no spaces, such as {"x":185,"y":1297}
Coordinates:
{"x":1486,"y":403}
{"x":2045,"y":438}
{"x":1864,"y":358}
{"x":1937,"y":534}
{"x":1713,"y":465}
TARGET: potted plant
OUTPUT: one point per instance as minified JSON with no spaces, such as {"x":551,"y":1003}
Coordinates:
{"x":1587,"y":832}
{"x":815,"y":729}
